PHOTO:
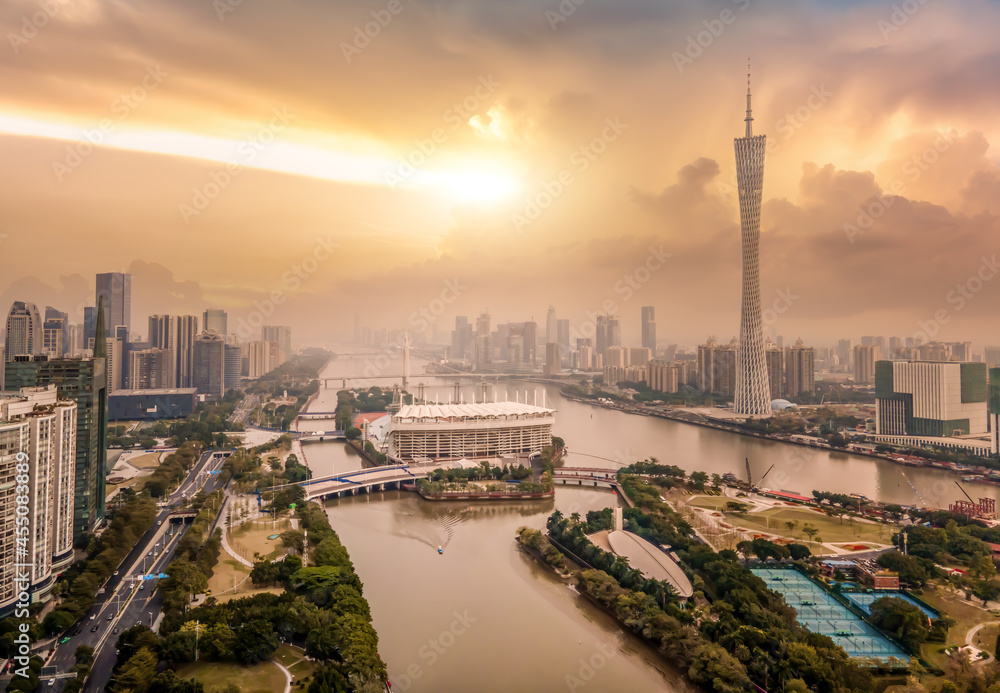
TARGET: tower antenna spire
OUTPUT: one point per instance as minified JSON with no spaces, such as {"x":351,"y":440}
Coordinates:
{"x":749,"y":118}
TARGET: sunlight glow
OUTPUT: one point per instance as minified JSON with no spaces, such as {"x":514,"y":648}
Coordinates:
{"x":269,"y":150}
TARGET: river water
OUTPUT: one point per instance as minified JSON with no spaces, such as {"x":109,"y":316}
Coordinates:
{"x":481,"y":616}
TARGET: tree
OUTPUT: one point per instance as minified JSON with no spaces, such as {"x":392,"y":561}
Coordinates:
{"x":905,"y":620}
{"x":699,"y":479}
{"x":353,"y":433}
{"x":809,"y":531}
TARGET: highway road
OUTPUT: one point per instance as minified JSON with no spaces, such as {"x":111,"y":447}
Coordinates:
{"x":123,"y":601}
{"x":241,"y":415}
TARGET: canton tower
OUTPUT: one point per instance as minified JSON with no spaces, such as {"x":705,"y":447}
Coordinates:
{"x":753,"y":391}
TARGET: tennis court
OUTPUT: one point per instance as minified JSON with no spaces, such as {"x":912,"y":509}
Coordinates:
{"x":865,"y":599}
{"x":821,"y":613}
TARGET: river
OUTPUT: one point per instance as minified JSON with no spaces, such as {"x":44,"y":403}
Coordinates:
{"x":483,"y":617}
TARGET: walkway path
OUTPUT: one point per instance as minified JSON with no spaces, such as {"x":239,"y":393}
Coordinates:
{"x":971,"y":636}
{"x":225,"y":540}
{"x":288,"y":675}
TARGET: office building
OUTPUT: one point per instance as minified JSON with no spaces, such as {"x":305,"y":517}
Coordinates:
{"x":215,"y":320}
{"x":187,"y":331}
{"x":461,"y":338}
{"x":601,"y":335}
{"x":752,"y":392}
{"x":89,"y":321}
{"x":844,"y":353}
{"x":553,"y":360}
{"x":210,"y":364}
{"x":84,"y":381}
{"x":24,"y":332}
{"x":865,"y":356}
{"x":280,"y":335}
{"x":562,"y":334}
{"x":800,"y":369}
{"x":614,"y":331}
{"x":35,"y":422}
{"x":114,"y":290}
{"x":923,"y":398}
{"x":551,"y":329}
{"x":993,"y":356}
{"x":530,"y":332}
{"x":649,"y":328}
{"x":234,"y":366}
{"x":162,"y":403}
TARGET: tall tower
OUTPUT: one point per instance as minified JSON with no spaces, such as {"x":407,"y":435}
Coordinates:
{"x":753,"y":393}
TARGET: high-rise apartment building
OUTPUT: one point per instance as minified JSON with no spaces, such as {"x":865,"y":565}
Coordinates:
{"x":649,"y":328}
{"x":84,"y":381}
{"x":752,"y":394}
{"x":865,"y":356}
{"x":280,"y":335}
{"x":215,"y":320}
{"x":37,"y":425}
{"x":717,"y":367}
{"x":800,"y":369}
{"x":775,"y":358}
{"x":923,"y":398}
{"x":234,"y":366}
{"x":150,"y":369}
{"x":210,"y":364}
{"x":663,"y":377}
{"x":114,"y":289}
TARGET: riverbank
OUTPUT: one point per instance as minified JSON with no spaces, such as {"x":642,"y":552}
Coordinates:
{"x":480,"y":496}
{"x":699,"y":420}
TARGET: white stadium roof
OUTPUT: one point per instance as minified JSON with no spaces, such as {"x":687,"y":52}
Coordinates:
{"x":483,"y":410}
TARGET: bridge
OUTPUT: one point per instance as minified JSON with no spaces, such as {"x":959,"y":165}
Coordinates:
{"x":590,"y":476}
{"x":316,"y":414}
{"x":319,"y":436}
{"x":363,"y":481}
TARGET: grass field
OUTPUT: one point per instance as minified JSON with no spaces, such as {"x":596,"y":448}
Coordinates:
{"x":225,"y":572}
{"x":215,"y":676}
{"x":252,"y":537}
{"x":831,"y":530}
{"x":986,"y":638}
{"x":965,"y":617}
{"x":294,"y":660}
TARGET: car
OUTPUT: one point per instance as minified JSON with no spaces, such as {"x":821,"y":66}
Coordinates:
{"x":93,"y":616}
{"x":115,"y":632}
{"x":115,"y":573}
{"x":94,"y":629}
{"x":52,"y":682}
{"x":77,"y":631}
{"x":159,"y":523}
{"x":64,"y":640}
{"x":110,"y":617}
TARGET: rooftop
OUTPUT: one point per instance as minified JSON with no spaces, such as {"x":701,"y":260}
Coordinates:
{"x":156,"y":391}
{"x":482,"y":410}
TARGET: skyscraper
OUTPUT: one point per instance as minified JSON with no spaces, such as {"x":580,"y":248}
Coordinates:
{"x":187,"y":331}
{"x":210,"y":364}
{"x":282,"y":336}
{"x":800,"y":369}
{"x":753,"y":394}
{"x":551,"y":336}
{"x":649,"y":328}
{"x":116,"y":290}
{"x":24,"y":331}
{"x":215,"y":320}
{"x":530,"y":334}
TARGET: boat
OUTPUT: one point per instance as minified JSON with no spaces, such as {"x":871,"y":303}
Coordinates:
{"x":440,"y":550}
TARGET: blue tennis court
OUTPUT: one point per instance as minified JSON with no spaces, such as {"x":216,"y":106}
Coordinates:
{"x":821,"y":613}
{"x":865,"y":599}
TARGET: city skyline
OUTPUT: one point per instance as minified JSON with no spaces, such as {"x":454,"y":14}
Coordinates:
{"x":881,"y":177}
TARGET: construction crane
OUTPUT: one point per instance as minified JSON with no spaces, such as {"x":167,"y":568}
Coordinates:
{"x":750,"y":475}
{"x":759,"y":481}
{"x":965,"y":494}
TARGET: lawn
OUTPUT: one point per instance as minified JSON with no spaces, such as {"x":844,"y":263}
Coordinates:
{"x":986,"y":638}
{"x":264,"y":677}
{"x":831,"y":530}
{"x":965,"y":617}
{"x":150,"y":460}
{"x":294,"y":660}
{"x":226,"y":571}
{"x":252,"y":537}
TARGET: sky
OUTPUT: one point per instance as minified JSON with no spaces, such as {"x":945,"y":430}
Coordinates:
{"x":304,"y":161}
